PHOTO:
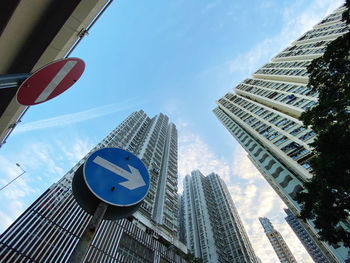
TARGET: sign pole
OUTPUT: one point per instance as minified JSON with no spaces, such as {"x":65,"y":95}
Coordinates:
{"x":110,"y":178}
{"x":82,"y":247}
{"x":12,"y":80}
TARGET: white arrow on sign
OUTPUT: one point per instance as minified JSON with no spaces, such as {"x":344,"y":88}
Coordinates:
{"x":134,"y":178}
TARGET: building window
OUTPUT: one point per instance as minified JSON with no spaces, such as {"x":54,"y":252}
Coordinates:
{"x":286,"y":181}
{"x":134,"y":251}
{"x":296,"y":190}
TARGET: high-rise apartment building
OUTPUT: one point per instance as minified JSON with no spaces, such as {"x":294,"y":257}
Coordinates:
{"x":279,"y":245}
{"x":181,"y":219}
{"x":305,"y":238}
{"x":50,"y":228}
{"x":263,"y":115}
{"x":213,"y":229}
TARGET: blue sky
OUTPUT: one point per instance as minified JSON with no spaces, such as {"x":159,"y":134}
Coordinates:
{"x":176,"y":57}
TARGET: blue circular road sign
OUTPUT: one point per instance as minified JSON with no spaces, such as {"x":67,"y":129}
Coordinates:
{"x":116,"y":176}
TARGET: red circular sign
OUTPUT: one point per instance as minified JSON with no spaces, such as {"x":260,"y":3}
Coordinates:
{"x":50,"y":81}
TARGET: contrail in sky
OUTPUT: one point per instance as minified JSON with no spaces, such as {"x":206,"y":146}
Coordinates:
{"x":70,"y":118}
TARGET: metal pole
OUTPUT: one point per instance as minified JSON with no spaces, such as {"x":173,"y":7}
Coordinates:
{"x":13,"y":80}
{"x":14,"y":179}
{"x":82,"y":247}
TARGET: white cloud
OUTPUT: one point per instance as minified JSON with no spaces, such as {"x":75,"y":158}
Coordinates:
{"x":210,"y":5}
{"x":195,"y":154}
{"x":9,"y":169}
{"x":16,"y":208}
{"x":5,"y":221}
{"x":181,"y":123}
{"x":39,"y":155}
{"x":77,"y":150}
{"x":248,"y":62}
{"x":15,"y":193}
{"x":242,"y":166}
{"x":73,"y":117}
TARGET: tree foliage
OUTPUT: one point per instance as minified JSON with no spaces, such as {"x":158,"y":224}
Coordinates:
{"x":190,"y":258}
{"x":327,"y":200}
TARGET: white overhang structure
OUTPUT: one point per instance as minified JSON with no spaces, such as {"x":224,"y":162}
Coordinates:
{"x":34,"y":33}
